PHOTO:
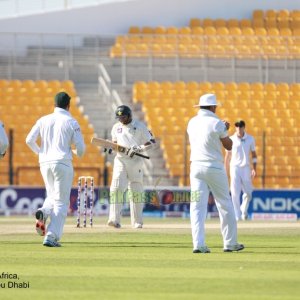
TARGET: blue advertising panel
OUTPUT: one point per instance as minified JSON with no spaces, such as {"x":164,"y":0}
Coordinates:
{"x":19,"y":200}
{"x":275,"y":202}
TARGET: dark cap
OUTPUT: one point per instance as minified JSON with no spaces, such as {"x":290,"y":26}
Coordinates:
{"x":62,"y":100}
{"x":240,"y":124}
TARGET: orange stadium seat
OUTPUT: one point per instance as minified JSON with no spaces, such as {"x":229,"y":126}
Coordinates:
{"x":195,"y":22}
{"x":25,"y":165}
{"x":257,"y":103}
{"x":232,"y":23}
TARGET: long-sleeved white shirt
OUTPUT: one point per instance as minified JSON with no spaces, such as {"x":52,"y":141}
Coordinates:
{"x":57,"y":132}
{"x":3,"y":140}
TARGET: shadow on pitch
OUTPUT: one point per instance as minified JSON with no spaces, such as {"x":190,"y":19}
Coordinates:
{"x":129,"y":245}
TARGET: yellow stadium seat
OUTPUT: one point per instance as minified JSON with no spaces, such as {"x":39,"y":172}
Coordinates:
{"x":116,"y":51}
{"x":232,"y":23}
{"x":209,"y":30}
{"x":283,"y":18}
{"x":147,"y":30}
{"x":258,"y":14}
{"x":159,"y":30}
{"x":222,"y":31}
{"x":207,"y":22}
{"x":235,"y":31}
{"x":273,"y":31}
{"x":14,"y":84}
{"x":247,"y":30}
{"x":3,"y":83}
{"x":133,"y":39}
{"x":285,"y":32}
{"x":245,"y":23}
{"x":195,"y":22}
{"x":184,"y":30}
{"x":260,"y":31}
{"x":134,"y":30}
{"x":295,"y":19}
{"x":218,"y":86}
{"x":54,"y":84}
{"x":219,"y":23}
{"x":172,"y":30}
{"x":197,"y":30}
{"x":258,"y":23}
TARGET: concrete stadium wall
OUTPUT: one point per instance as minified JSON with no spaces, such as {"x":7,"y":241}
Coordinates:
{"x":116,"y":18}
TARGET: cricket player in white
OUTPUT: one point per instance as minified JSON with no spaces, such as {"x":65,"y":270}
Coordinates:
{"x":206,"y":134}
{"x":127,"y":170}
{"x":3,"y":141}
{"x":57,"y":132}
{"x":241,"y":173}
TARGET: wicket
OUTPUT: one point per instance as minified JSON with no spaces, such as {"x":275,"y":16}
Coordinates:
{"x":86,"y":197}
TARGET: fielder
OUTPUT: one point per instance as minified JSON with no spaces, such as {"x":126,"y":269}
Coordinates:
{"x":57,"y":132}
{"x":127,"y":170}
{"x":3,"y":141}
{"x":207,"y":134}
{"x":241,"y":173}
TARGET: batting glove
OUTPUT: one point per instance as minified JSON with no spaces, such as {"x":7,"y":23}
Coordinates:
{"x":133,"y":150}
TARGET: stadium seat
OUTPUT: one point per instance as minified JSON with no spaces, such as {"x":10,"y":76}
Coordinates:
{"x":29,"y":97}
{"x":207,"y":22}
{"x":232,"y":23}
{"x":134,"y":30}
{"x":195,"y":22}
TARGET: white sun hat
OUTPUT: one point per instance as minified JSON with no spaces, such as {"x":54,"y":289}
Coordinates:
{"x":207,"y":100}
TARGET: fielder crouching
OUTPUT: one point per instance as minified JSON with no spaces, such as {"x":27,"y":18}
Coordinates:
{"x":127,"y":170}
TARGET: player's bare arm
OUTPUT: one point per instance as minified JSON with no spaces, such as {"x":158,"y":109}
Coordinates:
{"x":227,"y":160}
{"x":254,"y":163}
{"x":226,"y":142}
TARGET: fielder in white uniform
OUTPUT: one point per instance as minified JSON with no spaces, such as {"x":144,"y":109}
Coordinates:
{"x":57,"y":132}
{"x":241,"y":173}
{"x":3,"y":141}
{"x":127,"y":170}
{"x":207,"y":133}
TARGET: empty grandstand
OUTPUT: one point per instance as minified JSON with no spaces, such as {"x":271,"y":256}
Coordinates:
{"x":249,"y":57}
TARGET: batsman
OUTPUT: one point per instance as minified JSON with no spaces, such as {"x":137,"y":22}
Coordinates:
{"x":127,"y":170}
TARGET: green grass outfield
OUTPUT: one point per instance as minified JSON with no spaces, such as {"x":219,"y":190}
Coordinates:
{"x":153,"y":263}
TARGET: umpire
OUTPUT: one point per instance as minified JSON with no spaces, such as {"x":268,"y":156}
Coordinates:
{"x":207,"y":133}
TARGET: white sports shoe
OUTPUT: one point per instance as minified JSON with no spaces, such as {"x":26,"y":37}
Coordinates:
{"x":113,"y":224}
{"x":237,"y":247}
{"x":51,"y":242}
{"x":203,"y":249}
{"x":138,"y":225}
{"x":244,"y":216}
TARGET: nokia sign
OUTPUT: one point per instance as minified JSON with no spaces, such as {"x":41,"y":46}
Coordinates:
{"x":275,"y":201}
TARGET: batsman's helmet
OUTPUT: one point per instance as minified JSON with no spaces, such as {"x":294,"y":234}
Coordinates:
{"x":123,"y":110}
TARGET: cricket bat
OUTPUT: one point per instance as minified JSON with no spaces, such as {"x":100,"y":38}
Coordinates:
{"x":109,"y":144}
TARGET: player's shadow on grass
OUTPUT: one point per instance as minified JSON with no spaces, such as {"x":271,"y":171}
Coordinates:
{"x":130,"y":245}
{"x":20,"y":243}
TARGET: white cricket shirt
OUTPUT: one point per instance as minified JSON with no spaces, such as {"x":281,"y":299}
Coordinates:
{"x":241,"y":148}
{"x":3,"y":139}
{"x":205,"y":131}
{"x":57,"y":131}
{"x":133,"y":134}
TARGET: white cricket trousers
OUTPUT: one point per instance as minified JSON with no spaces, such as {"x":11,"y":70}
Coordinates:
{"x":240,"y":180}
{"x":58,"y":179}
{"x":204,"y":179}
{"x":127,"y":173}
